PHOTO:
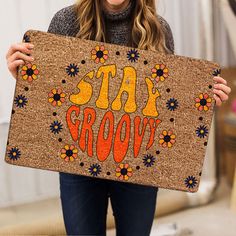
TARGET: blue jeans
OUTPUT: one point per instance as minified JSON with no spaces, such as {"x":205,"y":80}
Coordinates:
{"x":84,"y":202}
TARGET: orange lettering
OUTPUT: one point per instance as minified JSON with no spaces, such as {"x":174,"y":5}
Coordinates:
{"x":138,"y":138}
{"x":104,"y":144}
{"x":121,"y":146}
{"x":88,"y":121}
{"x":73,"y":127}
{"x":153,"y":125}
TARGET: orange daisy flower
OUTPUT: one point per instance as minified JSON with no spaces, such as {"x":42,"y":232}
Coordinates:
{"x":99,"y":54}
{"x":29,"y":72}
{"x":123,"y":171}
{"x":167,"y":138}
{"x":69,"y":153}
{"x":56,"y":97}
{"x":203,"y":102}
{"x":160,"y":72}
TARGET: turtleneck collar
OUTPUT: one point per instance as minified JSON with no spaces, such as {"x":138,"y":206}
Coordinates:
{"x":121,"y":15}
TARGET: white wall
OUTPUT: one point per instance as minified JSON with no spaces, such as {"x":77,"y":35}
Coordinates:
{"x":16,"y":17}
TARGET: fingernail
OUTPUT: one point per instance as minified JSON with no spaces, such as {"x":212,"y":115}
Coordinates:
{"x":32,"y":58}
{"x":31,"y":46}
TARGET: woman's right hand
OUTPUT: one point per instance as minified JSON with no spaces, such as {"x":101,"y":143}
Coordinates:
{"x":17,"y":55}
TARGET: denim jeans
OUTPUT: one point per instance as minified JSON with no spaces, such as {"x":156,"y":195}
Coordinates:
{"x":84,"y":202}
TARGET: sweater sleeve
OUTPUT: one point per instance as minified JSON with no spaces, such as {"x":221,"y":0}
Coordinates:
{"x":64,"y":22}
{"x":168,"y":34}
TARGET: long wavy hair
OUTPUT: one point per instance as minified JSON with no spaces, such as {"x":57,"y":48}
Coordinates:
{"x":147,"y":31}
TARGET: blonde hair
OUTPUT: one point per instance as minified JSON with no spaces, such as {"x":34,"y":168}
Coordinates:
{"x":147,"y":31}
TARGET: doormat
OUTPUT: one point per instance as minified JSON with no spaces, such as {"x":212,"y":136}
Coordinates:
{"x":112,"y":112}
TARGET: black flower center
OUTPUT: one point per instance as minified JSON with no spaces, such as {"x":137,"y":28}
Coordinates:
{"x":29,"y":72}
{"x":57,"y":97}
{"x":123,"y":171}
{"x":26,"y":38}
{"x":167,"y":138}
{"x":69,"y":153}
{"x":99,"y":54}
{"x":160,"y":72}
{"x":203,"y":102}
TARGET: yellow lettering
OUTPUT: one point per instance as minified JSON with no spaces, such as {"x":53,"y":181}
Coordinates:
{"x":128,"y":85}
{"x":102,"y":101}
{"x":85,"y":92}
{"x":150,"y":109}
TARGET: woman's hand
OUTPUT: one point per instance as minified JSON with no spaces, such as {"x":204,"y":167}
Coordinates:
{"x":221,"y":90}
{"x":17,"y":55}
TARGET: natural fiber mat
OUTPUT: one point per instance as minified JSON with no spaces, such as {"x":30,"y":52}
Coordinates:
{"x":112,"y":112}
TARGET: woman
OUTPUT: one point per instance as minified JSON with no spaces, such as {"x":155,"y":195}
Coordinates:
{"x":85,"y":199}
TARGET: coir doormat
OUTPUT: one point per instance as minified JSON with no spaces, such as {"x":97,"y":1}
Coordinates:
{"x":112,"y":112}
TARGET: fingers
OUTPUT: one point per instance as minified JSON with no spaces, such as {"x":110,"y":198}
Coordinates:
{"x":218,"y":100}
{"x":19,"y":55}
{"x":221,"y":94}
{"x":221,"y":90}
{"x":13,"y":66}
{"x":220,"y":80}
{"x":16,"y":59}
{"x":22,"y":47}
{"x":223,"y":87}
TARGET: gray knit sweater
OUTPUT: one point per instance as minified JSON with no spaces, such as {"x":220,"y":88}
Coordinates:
{"x":117,"y":25}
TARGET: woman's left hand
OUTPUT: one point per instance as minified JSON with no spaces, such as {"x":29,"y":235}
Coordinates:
{"x":221,"y":90}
